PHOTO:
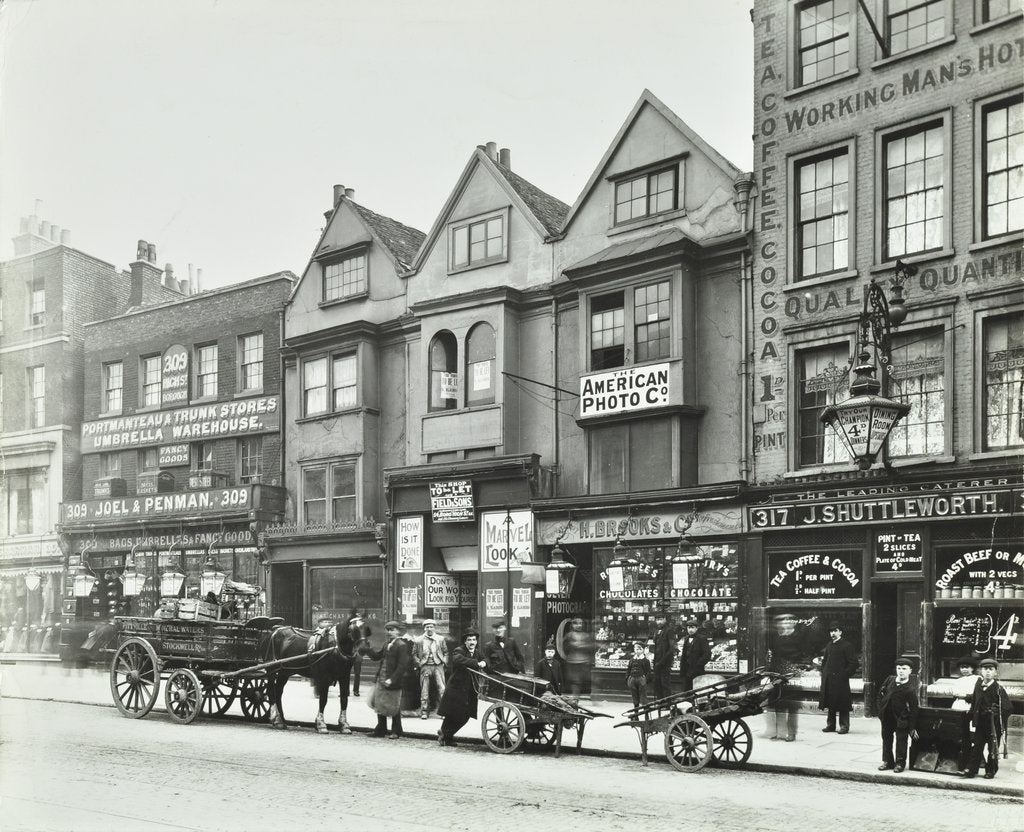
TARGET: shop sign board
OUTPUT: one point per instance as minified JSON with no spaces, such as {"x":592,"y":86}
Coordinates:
{"x":410,"y":544}
{"x":451,"y":501}
{"x":243,"y":417}
{"x":815,"y":576}
{"x":898,"y":552}
{"x":984,"y":568}
{"x":625,"y":391}
{"x":442,"y":590}
{"x":501,"y":531}
{"x":172,"y":455}
{"x":212,"y":501}
{"x":174,"y":375}
{"x":638,"y":527}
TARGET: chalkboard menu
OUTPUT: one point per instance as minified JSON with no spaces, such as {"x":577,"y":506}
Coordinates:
{"x":815,"y":575}
{"x":898,"y":552}
{"x":991,"y":631}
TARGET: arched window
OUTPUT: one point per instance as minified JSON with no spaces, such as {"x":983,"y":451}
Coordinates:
{"x":444,"y":375}
{"x":480,"y":365}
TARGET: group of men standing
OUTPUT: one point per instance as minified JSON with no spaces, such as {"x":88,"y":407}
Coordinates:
{"x":693,"y":649}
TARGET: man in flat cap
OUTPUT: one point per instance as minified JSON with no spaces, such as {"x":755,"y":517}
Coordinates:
{"x":990,"y":710}
{"x":394,"y":658}
{"x":897,"y":709}
{"x":430,"y":654}
{"x":502,"y":653}
{"x":838,"y":664}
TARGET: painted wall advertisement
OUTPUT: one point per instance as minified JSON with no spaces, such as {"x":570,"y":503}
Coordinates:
{"x":174,"y":375}
{"x":410,"y":544}
{"x":451,"y":501}
{"x":501,"y":531}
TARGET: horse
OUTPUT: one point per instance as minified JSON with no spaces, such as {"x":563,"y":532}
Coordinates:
{"x":297,"y":646}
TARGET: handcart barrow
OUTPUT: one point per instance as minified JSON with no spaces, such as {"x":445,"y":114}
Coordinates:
{"x":707,"y":723}
{"x":524,"y":710}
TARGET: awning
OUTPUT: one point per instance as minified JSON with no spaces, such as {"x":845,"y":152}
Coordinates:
{"x":461,"y":558}
{"x":22,"y":571}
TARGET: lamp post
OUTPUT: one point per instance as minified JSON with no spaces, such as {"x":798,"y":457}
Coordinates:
{"x":132,"y":579}
{"x":863,"y":422}
{"x":559,"y":574}
{"x":508,"y":566}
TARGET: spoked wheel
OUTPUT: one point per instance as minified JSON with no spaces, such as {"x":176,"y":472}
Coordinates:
{"x":540,"y":734}
{"x":135,"y":678}
{"x":688,"y":743}
{"x":218,"y":695}
{"x":255,"y":700}
{"x":183,"y":696}
{"x":731,"y":742}
{"x":504,"y":728}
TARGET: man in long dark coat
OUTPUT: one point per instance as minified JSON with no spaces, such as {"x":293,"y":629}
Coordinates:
{"x":502,"y":652}
{"x":664,"y":654}
{"x":838,"y":664}
{"x":694,"y":654}
{"x":458,"y":704}
{"x":395,"y":659}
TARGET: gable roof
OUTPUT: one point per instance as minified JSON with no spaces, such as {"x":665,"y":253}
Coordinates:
{"x":401,"y":240}
{"x":542,"y":211}
{"x":647,"y":99}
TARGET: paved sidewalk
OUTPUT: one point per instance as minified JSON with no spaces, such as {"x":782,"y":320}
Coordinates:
{"x":851,"y":756}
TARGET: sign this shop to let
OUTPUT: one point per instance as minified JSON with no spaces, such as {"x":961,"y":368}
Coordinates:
{"x":451,"y":501}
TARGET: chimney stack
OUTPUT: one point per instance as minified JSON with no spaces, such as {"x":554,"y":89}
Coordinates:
{"x":199,"y":280}
{"x":505,"y":157}
{"x":35,"y":236}
{"x":145,"y":276}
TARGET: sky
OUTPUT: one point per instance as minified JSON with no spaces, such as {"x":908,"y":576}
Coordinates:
{"x":216,"y":129}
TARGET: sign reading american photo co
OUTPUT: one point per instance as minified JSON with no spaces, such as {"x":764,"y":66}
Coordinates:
{"x":451,"y":501}
{"x":622,"y":391}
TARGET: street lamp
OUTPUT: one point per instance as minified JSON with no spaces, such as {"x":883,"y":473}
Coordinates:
{"x":211,"y":579}
{"x":620,"y":563}
{"x":559,"y":574}
{"x":172,"y":579}
{"x":863,"y":421}
{"x":132,"y":579}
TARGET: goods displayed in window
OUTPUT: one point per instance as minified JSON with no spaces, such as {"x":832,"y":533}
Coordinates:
{"x":797,"y":637}
{"x":990,"y":572}
{"x":697,"y":582}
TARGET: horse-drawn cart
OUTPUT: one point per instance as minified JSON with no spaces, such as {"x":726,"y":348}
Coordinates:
{"x":205,"y":665}
{"x":706,"y":723}
{"x":523,"y":709}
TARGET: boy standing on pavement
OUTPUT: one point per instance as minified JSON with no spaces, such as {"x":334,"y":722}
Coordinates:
{"x":638,"y":671}
{"x":897,"y":708}
{"x":990,"y":707}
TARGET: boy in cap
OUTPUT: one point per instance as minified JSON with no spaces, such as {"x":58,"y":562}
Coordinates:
{"x":550,"y":667}
{"x":963,"y":688}
{"x":990,"y":708}
{"x":638,"y":671}
{"x":897,"y":708}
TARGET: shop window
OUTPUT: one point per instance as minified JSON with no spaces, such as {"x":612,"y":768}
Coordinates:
{"x":480,"y":355}
{"x":798,"y":635}
{"x":652,"y":192}
{"x":823,"y":212}
{"x":334,"y":591}
{"x":1003,"y":380}
{"x":823,"y":380}
{"x":910,"y":24}
{"x":149,"y":371}
{"x":329,"y":494}
{"x":346,"y":278}
{"x":202,"y":456}
{"x":250,"y":362}
{"x":25,"y":504}
{"x":918,"y":378}
{"x":250,"y":459}
{"x":444,"y":376}
{"x":823,"y":40}
{"x":632,"y":456}
{"x":113,"y":387}
{"x":915,"y":210}
{"x":36,"y":397}
{"x":206,"y":371}
{"x":109,"y":465}
{"x":1001,"y":165}
{"x":479,"y":241}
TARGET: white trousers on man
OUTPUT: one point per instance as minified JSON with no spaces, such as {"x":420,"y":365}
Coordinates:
{"x":428,"y":672}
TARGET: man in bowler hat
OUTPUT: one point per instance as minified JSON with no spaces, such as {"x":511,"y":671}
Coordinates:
{"x":838,"y":664}
{"x":502,"y":653}
{"x":664,"y":654}
{"x":694,"y":654}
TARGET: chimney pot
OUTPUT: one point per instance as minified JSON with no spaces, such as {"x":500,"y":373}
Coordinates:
{"x":505,"y":157}
{"x":65,"y":236}
{"x":350,"y":193}
{"x":141,"y":250}
{"x":199,"y":280}
{"x":23,"y":226}
{"x":492,"y":151}
{"x":151,"y":252}
{"x":182,"y":285}
{"x":44,"y":228}
{"x":169,"y":268}
{"x":339,"y":192}
{"x":55,"y":233}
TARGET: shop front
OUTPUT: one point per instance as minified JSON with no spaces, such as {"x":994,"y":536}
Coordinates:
{"x":31,"y":577}
{"x":926,"y":569}
{"x":680,"y":558}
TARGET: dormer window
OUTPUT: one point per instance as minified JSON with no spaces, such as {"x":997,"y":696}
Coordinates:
{"x":646,"y":194}
{"x":479,"y":241}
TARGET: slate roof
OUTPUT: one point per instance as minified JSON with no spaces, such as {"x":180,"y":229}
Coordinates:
{"x":402,"y":241}
{"x":631,"y":248}
{"x":549,"y":211}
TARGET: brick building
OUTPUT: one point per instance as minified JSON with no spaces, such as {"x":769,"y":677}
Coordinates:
{"x":878,"y":140}
{"x":180,"y":442}
{"x":49,"y":291}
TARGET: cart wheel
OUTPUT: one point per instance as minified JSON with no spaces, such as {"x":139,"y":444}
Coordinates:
{"x":731,"y":742}
{"x":218,"y":695}
{"x":503,"y":728}
{"x":135,"y":678}
{"x":255,"y":700}
{"x":688,"y":743}
{"x":183,"y":696}
{"x":540,"y":734}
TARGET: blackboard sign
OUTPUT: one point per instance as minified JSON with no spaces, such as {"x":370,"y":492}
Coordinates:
{"x":898,"y":552}
{"x":815,"y":575}
{"x":991,"y":631}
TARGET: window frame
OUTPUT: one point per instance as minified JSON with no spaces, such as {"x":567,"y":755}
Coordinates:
{"x":676,"y":165}
{"x":106,"y":389}
{"x":984,"y":319}
{"x":643,"y":425}
{"x":795,"y":164}
{"x":796,"y":352}
{"x":982,"y":19}
{"x":200,"y":375}
{"x":981,"y":109}
{"x":201,"y":457}
{"x":451,"y":367}
{"x":109,"y":465}
{"x":35,"y":317}
{"x":339,"y":260}
{"x":796,"y":45}
{"x":36,"y":401}
{"x":886,"y":26}
{"x":468,"y":223}
{"x":254,"y":459}
{"x":943,"y":120}
{"x":329,"y":386}
{"x":490,"y":396}
{"x":242,"y":364}
{"x":144,"y":467}
{"x":932,"y":328}
{"x":146,"y":386}
{"x":35,"y":482}
{"x":629,"y":344}
{"x":328,"y":467}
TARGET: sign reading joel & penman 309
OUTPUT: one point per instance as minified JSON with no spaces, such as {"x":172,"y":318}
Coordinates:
{"x":159,"y":505}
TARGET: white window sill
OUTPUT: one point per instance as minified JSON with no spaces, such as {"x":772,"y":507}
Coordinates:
{"x":1003,"y":454}
{"x":1002,"y":240}
{"x":824,"y":82}
{"x":992,"y":24}
{"x":818,"y":281}
{"x":910,"y":53}
{"x":924,"y":258}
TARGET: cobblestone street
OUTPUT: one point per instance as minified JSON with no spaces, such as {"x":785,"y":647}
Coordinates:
{"x":78,"y":767}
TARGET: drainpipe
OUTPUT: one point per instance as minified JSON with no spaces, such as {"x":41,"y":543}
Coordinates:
{"x":746,"y":298}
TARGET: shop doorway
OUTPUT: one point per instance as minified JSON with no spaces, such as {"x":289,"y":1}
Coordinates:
{"x":286,"y":593}
{"x":897,"y":625}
